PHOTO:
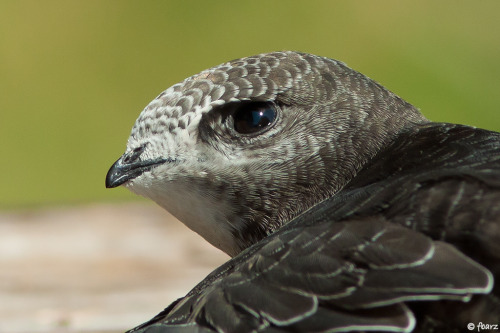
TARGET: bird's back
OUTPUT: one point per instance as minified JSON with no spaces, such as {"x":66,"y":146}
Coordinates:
{"x":442,"y":180}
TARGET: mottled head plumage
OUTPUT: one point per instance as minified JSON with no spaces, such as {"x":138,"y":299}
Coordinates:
{"x":247,"y":186}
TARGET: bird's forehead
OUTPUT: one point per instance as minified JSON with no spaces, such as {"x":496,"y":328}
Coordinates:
{"x":260,"y":78}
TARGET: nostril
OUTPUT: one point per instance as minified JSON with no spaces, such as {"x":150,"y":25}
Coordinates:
{"x":134,"y":154}
{"x":127,"y":159}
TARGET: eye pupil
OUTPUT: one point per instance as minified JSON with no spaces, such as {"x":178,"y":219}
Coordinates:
{"x":253,"y":117}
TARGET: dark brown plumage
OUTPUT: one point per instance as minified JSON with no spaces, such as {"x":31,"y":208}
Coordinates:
{"x":344,"y":208}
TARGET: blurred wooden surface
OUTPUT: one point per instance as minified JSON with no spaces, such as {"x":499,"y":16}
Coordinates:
{"x":100,"y":268}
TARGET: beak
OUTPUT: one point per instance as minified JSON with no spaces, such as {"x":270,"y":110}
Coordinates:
{"x":128,"y":167}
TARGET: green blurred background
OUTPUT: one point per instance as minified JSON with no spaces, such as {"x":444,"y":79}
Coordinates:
{"x":74,"y":75}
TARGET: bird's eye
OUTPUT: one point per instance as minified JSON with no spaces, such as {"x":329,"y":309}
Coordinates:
{"x":253,"y":117}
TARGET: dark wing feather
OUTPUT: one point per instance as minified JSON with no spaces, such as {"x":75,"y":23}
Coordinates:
{"x":355,"y":261}
{"x":354,"y":278}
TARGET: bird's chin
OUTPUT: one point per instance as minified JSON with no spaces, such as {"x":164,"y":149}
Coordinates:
{"x":138,"y":187}
{"x":145,"y":187}
{"x":198,"y":210}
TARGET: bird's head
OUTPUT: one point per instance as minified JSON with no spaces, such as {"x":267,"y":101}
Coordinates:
{"x":240,"y":149}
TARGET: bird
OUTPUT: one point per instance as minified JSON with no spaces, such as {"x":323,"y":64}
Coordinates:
{"x":341,"y":206}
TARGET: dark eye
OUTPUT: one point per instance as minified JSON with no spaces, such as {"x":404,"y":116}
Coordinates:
{"x":253,"y":117}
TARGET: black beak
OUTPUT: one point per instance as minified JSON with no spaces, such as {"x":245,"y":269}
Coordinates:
{"x":129,"y":167}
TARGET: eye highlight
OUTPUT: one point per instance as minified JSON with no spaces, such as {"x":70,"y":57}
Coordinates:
{"x":253,"y":117}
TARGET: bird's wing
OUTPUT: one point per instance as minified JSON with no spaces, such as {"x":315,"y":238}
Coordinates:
{"x":348,"y":275}
{"x":351,"y":262}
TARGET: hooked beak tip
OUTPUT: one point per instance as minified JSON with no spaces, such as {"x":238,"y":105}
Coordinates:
{"x":121,"y":172}
{"x":115,"y":176}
